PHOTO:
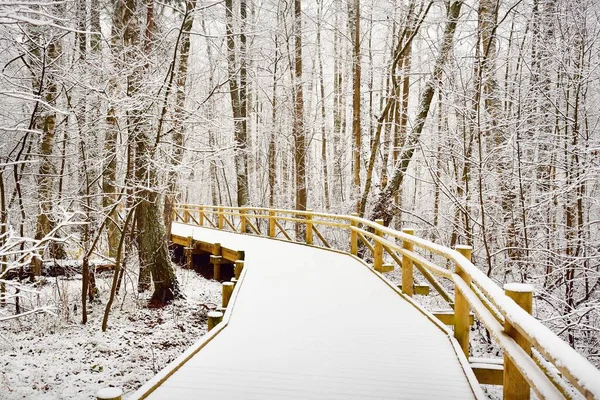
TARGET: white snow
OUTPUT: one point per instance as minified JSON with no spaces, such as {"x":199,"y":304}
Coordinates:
{"x":55,"y":357}
{"x":109,"y":393}
{"x":518,"y":287}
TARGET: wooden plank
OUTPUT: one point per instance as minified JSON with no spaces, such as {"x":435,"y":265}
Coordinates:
{"x":232,"y":255}
{"x":447,"y":317}
{"x":365,"y":241}
{"x":488,"y":371}
{"x":179,"y":240}
{"x":419,"y":288}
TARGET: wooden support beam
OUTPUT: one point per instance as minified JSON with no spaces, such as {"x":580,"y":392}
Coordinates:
{"x":251,"y":225}
{"x":186,"y":216}
{"x":488,"y":371}
{"x":446,"y":317}
{"x":232,"y":255}
{"x":180,"y":240}
{"x":238,"y":268}
{"x":309,"y":228}
{"x":387,"y":267}
{"x":231,"y":225}
{"x":421,"y":289}
{"x":516,"y":386}
{"x":461,"y":305}
{"x":214,"y":318}
{"x":282,"y":230}
{"x":321,"y":238}
{"x":407,"y":265}
{"x":226,"y":294}
{"x":378,"y":249}
{"x":354,"y":236}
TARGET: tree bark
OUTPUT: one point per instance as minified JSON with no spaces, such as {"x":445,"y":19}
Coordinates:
{"x":298,"y":128}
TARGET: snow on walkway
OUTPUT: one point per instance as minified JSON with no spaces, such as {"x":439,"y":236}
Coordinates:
{"x":315,"y":324}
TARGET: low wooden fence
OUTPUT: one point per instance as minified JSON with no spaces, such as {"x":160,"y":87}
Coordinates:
{"x":534,"y":357}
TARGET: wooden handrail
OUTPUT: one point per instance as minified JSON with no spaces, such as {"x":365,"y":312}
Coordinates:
{"x":473,"y":289}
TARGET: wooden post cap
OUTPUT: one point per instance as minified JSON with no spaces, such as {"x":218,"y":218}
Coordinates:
{"x":238,"y":267}
{"x":214,"y":317}
{"x":110,"y":393}
{"x":518,"y":287}
{"x":521,"y":293}
{"x":464,"y":250}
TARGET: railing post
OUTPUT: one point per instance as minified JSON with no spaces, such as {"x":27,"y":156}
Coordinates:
{"x":189,"y":261}
{"x":201,"y":215}
{"x":214,"y":317}
{"x":271,"y":223}
{"x":461,"y":305}
{"x":243,"y":224}
{"x":237,"y":268}
{"x":378,"y":249}
{"x":354,"y":236}
{"x":226,"y":295}
{"x":186,"y":215}
{"x":309,"y":227}
{"x":407,"y":266}
{"x":515,"y":385}
{"x":221,"y":219}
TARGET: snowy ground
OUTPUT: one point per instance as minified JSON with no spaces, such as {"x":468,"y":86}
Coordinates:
{"x":55,"y":357}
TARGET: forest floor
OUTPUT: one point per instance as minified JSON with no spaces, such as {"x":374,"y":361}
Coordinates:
{"x":56,"y":357}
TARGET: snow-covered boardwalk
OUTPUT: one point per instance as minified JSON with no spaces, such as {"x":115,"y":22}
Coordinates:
{"x":308,"y":323}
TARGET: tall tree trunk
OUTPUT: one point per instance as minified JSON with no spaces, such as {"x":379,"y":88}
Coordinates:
{"x":151,"y":236}
{"x":238,"y":106}
{"x":298,"y":128}
{"x":323,"y":114}
{"x":46,"y":124}
{"x":272,"y":150}
{"x":354,"y":25}
{"x":179,"y":114}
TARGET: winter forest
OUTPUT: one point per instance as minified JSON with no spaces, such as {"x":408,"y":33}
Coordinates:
{"x":474,"y":122}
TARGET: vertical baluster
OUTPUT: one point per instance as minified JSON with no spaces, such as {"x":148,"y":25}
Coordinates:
{"x":407,"y":266}
{"x":378,"y":249}
{"x":461,"y":305}
{"x":515,"y":385}
{"x":309,"y":228}
{"x":354,"y":236}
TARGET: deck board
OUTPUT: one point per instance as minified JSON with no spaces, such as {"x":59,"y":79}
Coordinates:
{"x":315,"y":324}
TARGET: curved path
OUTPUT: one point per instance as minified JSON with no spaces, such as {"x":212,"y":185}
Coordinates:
{"x":308,"y":323}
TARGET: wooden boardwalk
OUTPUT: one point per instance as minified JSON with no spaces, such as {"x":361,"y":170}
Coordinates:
{"x":308,"y":323}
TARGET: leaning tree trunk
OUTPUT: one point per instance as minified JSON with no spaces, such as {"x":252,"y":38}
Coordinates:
{"x":384,"y":207}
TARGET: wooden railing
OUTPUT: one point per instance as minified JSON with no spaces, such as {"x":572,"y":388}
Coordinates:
{"x":534,"y":357}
